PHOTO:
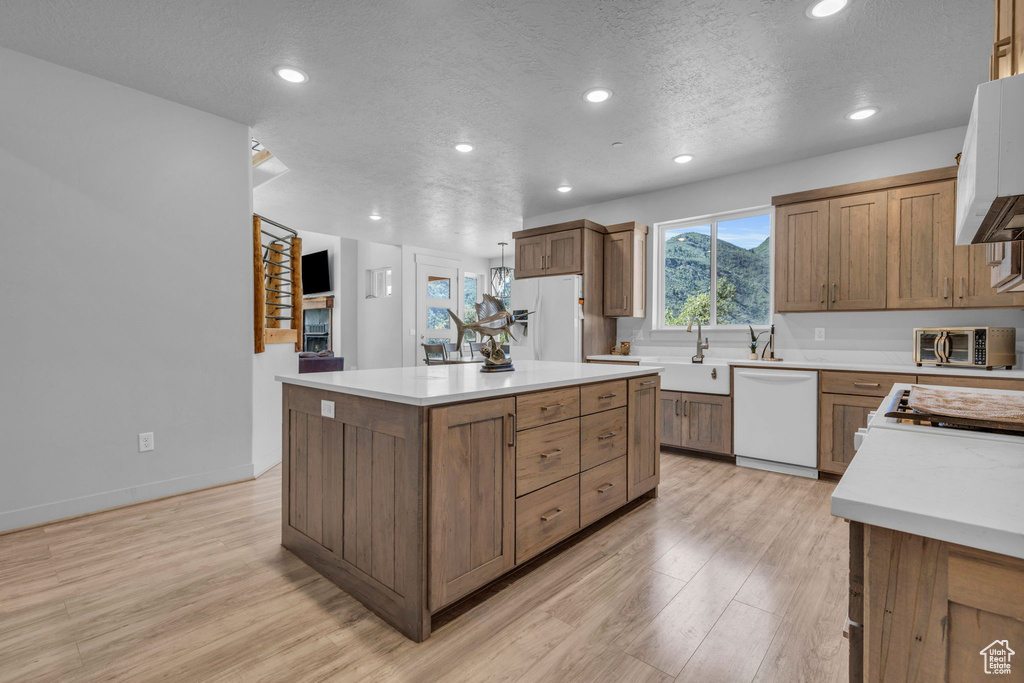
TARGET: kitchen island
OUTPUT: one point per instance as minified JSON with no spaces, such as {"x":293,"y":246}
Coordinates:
{"x":411,"y":488}
{"x":936,"y":552}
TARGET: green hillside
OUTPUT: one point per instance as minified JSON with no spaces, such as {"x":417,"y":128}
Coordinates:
{"x":687,"y":276}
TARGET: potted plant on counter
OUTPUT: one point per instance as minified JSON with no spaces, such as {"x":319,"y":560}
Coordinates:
{"x":753,"y":341}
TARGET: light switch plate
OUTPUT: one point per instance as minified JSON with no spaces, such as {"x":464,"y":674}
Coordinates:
{"x":819,"y":334}
{"x":327,"y":409}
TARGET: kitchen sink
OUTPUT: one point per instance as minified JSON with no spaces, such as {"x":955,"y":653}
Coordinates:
{"x":682,"y":375}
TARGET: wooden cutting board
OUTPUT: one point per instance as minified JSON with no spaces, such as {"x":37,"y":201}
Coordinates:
{"x":968,"y":404}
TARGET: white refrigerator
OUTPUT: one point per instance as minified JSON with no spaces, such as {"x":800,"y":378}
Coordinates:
{"x":553,"y":331}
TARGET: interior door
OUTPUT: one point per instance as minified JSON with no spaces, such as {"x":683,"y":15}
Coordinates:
{"x":437,"y":290}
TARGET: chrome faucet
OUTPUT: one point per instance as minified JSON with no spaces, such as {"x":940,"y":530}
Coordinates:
{"x":699,"y":358}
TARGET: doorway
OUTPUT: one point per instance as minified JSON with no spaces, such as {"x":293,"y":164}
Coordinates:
{"x":437,"y":290}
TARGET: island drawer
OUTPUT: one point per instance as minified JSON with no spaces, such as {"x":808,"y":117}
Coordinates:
{"x":861,"y":383}
{"x":602,"y":489}
{"x":547,"y":454}
{"x":546,"y":516}
{"x":604,"y":396}
{"x":545,"y":407}
{"x":602,"y":437}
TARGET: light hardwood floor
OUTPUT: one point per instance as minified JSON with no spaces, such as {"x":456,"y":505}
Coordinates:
{"x":730,"y":575}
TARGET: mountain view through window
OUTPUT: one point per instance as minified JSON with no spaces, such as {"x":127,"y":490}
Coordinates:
{"x":719,"y":270}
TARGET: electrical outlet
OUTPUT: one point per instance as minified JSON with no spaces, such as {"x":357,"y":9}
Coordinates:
{"x":146,"y":442}
{"x":327,"y":409}
{"x":819,"y":334}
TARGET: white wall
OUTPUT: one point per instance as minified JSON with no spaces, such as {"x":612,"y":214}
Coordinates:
{"x":880,"y":331}
{"x":128,"y":284}
{"x":379,"y":321}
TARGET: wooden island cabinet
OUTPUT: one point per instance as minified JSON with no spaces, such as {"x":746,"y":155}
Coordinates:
{"x":412,"y":499}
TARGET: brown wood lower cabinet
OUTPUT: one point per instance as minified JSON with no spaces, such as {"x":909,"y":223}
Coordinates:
{"x":602,"y":489}
{"x":546,"y":517}
{"x":697,"y":422}
{"x":409,"y":508}
{"x":472,"y":497}
{"x":930,"y":609}
{"x":643,"y":456}
{"x":840,"y":418}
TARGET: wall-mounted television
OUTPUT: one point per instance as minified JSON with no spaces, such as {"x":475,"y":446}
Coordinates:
{"x":316,"y":273}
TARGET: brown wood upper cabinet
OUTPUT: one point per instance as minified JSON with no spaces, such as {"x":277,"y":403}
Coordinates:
{"x":557,"y":253}
{"x":830,"y":255}
{"x":1008,"y":47}
{"x":801,"y":257}
{"x":921,"y":228}
{"x":885,"y":244}
{"x":625,"y":271}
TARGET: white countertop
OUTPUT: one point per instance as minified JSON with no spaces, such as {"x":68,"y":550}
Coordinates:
{"x":939,"y":483}
{"x":428,"y":385}
{"x":820,"y":365}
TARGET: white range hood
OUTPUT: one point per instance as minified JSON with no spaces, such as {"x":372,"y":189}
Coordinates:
{"x":990,"y":182}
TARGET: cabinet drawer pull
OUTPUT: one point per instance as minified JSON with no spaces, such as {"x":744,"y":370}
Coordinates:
{"x":945,"y":288}
{"x":684,"y":408}
{"x":607,"y":486}
{"x":512,"y":424}
{"x":822,"y":292}
{"x":678,"y":406}
{"x":545,"y":456}
{"x":833,"y":292}
{"x":553,"y":406}
{"x":644,"y":384}
{"x":872,"y":385}
{"x":551,"y":515}
{"x":604,"y":396}
{"x":961,"y":288}
{"x":608,"y":435}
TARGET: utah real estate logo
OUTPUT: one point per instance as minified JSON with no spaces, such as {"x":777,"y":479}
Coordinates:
{"x":997,"y":657}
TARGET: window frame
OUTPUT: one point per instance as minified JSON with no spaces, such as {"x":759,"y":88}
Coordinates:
{"x":658,"y":269}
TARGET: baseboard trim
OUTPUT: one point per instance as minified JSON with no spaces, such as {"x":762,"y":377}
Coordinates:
{"x":48,"y":513}
{"x":261,"y":465}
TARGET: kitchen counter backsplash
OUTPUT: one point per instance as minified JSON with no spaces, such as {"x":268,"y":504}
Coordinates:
{"x":795,"y":355}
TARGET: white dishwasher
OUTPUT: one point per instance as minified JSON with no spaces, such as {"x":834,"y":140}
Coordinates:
{"x":775,"y":416}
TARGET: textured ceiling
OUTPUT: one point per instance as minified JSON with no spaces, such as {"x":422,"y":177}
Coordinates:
{"x":394,"y":85}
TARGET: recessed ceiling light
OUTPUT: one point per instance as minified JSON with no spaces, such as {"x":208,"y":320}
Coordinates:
{"x":683,"y":158}
{"x":374,"y":216}
{"x":291,"y":74}
{"x":565,"y":188}
{"x":596,"y":95}
{"x":464,"y":147}
{"x":826,"y":8}
{"x":862,"y":114}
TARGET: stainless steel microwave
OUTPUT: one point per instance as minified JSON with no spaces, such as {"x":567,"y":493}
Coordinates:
{"x":980,"y":347}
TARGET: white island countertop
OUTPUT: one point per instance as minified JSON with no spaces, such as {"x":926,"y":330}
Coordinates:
{"x":428,"y":385}
{"x":939,"y":483}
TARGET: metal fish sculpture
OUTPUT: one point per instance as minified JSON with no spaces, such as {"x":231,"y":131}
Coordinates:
{"x":491,"y":320}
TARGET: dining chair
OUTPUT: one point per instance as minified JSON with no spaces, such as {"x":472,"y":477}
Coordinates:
{"x":434,"y":354}
{"x":451,"y":348}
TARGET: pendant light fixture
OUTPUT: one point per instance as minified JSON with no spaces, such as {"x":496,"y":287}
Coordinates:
{"x":501,"y":277}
